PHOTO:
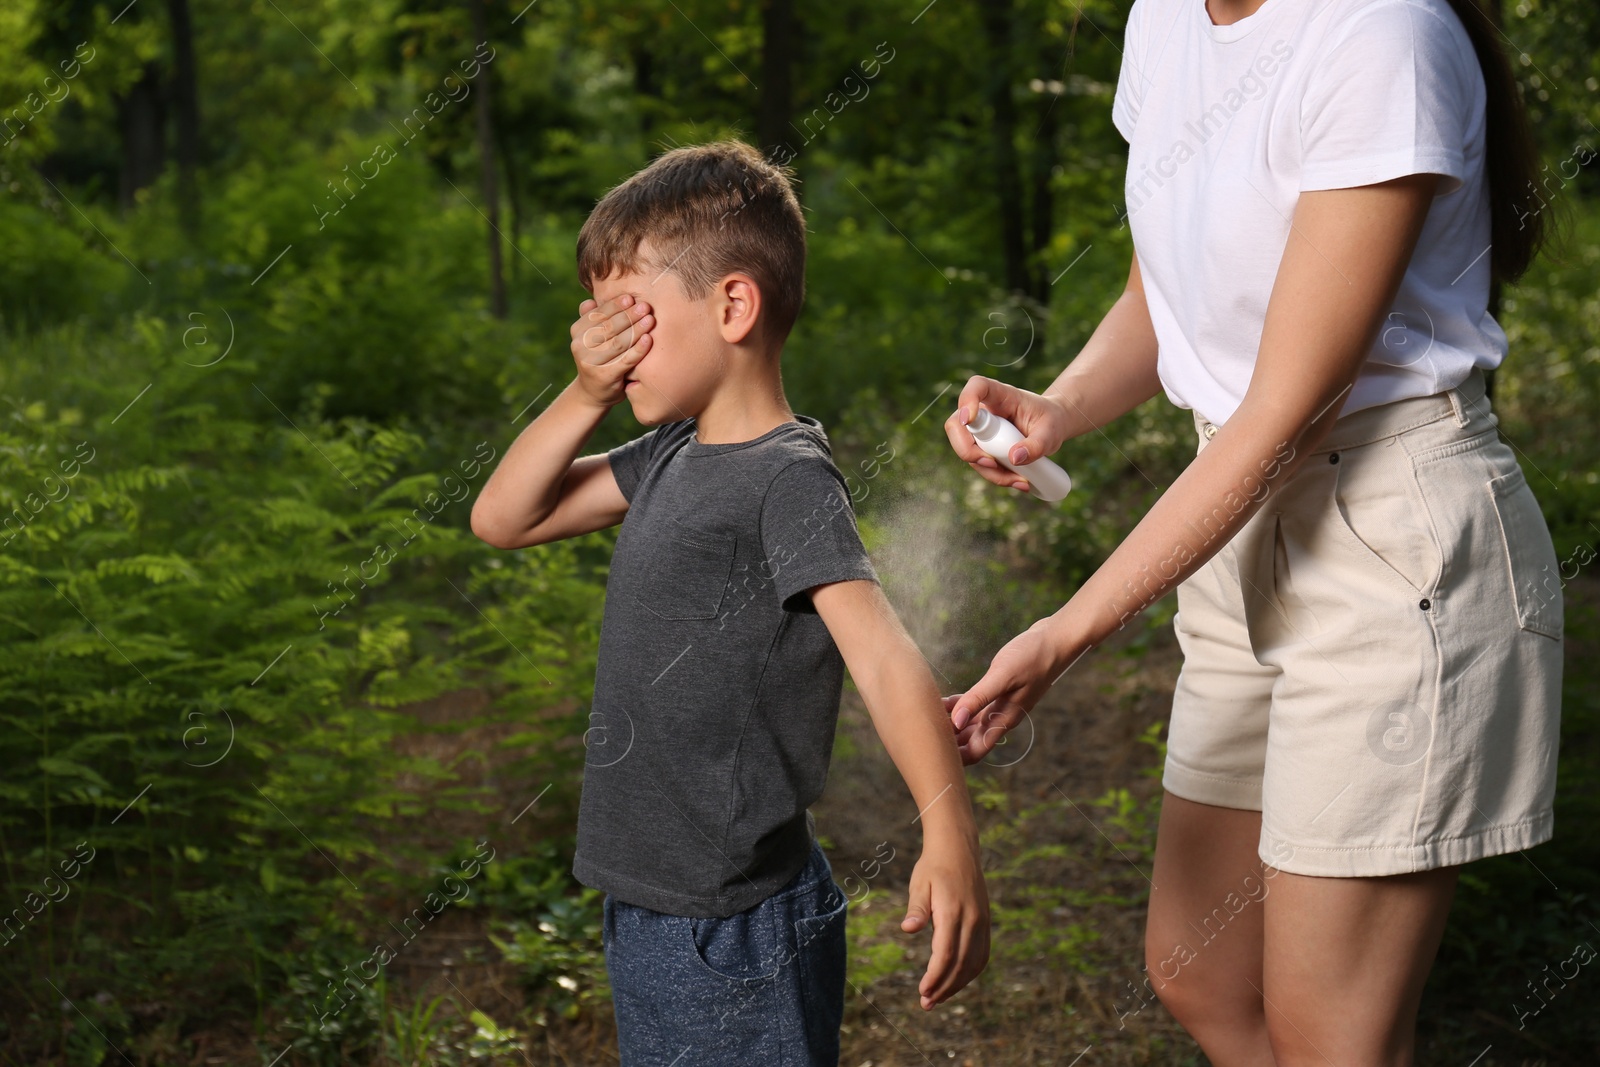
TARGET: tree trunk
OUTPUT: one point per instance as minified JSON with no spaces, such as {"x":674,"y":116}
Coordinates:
{"x":997,"y":17}
{"x":1044,"y":166}
{"x":646,"y":91}
{"x":486,"y":166}
{"x":142,"y":121}
{"x":186,"y":100}
{"x":777,"y":73}
{"x":514,"y":197}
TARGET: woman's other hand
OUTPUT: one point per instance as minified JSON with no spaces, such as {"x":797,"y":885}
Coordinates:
{"x":1017,"y":677}
{"x":1041,"y":419}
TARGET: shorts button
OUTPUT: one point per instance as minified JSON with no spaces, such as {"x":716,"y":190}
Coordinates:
{"x":1211,"y":430}
{"x":1426,"y":604}
{"x":1333,"y":457}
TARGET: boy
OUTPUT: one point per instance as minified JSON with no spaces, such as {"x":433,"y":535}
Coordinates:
{"x":738,"y":592}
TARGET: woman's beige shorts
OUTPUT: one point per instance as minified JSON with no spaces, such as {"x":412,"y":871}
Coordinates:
{"x":1374,"y":661}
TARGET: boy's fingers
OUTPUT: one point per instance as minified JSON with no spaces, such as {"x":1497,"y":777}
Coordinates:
{"x":591,"y":340}
{"x":918,"y":907}
{"x":606,"y":351}
{"x":630,"y":359}
{"x":640,"y":349}
{"x":600,"y":312}
{"x":941,"y":965}
{"x":971,"y":956}
{"x":598,"y":323}
{"x":617,"y":325}
{"x":973,"y":749}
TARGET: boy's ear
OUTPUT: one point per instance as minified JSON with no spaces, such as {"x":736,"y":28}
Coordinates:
{"x":737,"y":303}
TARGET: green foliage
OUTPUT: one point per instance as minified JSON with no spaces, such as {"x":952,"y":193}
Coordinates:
{"x":1550,"y":388}
{"x":415,"y":1036}
{"x":237,"y":585}
{"x":50,"y":273}
{"x":492,"y":1041}
{"x":550,"y":931}
{"x":872,"y":930}
{"x":208,"y":664}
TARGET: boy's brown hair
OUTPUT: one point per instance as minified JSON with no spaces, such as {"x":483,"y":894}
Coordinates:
{"x":708,"y":210}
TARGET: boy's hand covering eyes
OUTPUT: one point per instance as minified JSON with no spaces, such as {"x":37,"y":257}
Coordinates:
{"x":608,"y":341}
{"x":947,"y":886}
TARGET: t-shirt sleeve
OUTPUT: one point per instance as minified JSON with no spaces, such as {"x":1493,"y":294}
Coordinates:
{"x":1130,"y":83}
{"x":808,"y":532}
{"x":629,"y":461}
{"x":1391,"y":96}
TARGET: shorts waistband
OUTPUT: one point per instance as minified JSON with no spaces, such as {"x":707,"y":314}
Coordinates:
{"x":1467,"y":403}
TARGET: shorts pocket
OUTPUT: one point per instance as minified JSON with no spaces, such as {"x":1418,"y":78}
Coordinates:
{"x":732,"y":993}
{"x":1529,"y":554}
{"x":688,"y":574}
{"x":1376,"y":515}
{"x":821,"y":950}
{"x":739,"y":948}
{"x":817,"y":936}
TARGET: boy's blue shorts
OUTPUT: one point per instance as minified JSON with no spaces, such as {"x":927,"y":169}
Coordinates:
{"x":764,"y":986}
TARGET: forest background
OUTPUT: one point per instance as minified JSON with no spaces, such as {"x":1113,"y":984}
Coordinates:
{"x":283,"y":278}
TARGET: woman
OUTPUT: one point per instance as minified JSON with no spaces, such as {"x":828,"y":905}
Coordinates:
{"x":1372,"y":655}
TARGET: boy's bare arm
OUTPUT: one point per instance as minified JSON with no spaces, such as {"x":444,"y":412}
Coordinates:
{"x":908,"y":714}
{"x":542,"y":491}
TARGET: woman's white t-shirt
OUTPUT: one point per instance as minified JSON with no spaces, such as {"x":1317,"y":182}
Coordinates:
{"x":1227,"y":125}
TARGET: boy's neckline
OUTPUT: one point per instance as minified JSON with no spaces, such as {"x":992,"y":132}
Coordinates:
{"x":695,"y":447}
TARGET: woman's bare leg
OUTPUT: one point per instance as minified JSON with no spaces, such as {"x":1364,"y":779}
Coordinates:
{"x":1345,"y":962}
{"x":1264,"y":967}
{"x":1204,"y":936}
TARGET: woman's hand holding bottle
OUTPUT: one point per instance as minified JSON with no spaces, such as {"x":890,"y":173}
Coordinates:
{"x":1041,"y":419}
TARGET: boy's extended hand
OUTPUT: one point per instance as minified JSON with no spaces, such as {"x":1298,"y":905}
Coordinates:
{"x":897,"y":685}
{"x":608,"y":341}
{"x":947,"y":885}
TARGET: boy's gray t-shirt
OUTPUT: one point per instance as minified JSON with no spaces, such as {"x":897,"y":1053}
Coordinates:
{"x":717,"y":688}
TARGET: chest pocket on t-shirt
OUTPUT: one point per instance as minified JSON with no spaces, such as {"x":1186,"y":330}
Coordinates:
{"x":688,"y":573}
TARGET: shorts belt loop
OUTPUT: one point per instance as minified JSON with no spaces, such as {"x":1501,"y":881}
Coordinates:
{"x":1457,"y":406}
{"x":1473,"y":386}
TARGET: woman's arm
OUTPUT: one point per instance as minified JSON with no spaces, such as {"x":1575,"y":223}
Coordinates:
{"x":1112,"y":374}
{"x":1346,"y":253}
{"x":1115,"y":371}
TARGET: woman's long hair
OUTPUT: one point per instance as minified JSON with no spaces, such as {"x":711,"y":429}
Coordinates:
{"x":1516,"y":205}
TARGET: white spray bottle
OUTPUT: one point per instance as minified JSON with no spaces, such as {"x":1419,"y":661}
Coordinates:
{"x":996,"y":436}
